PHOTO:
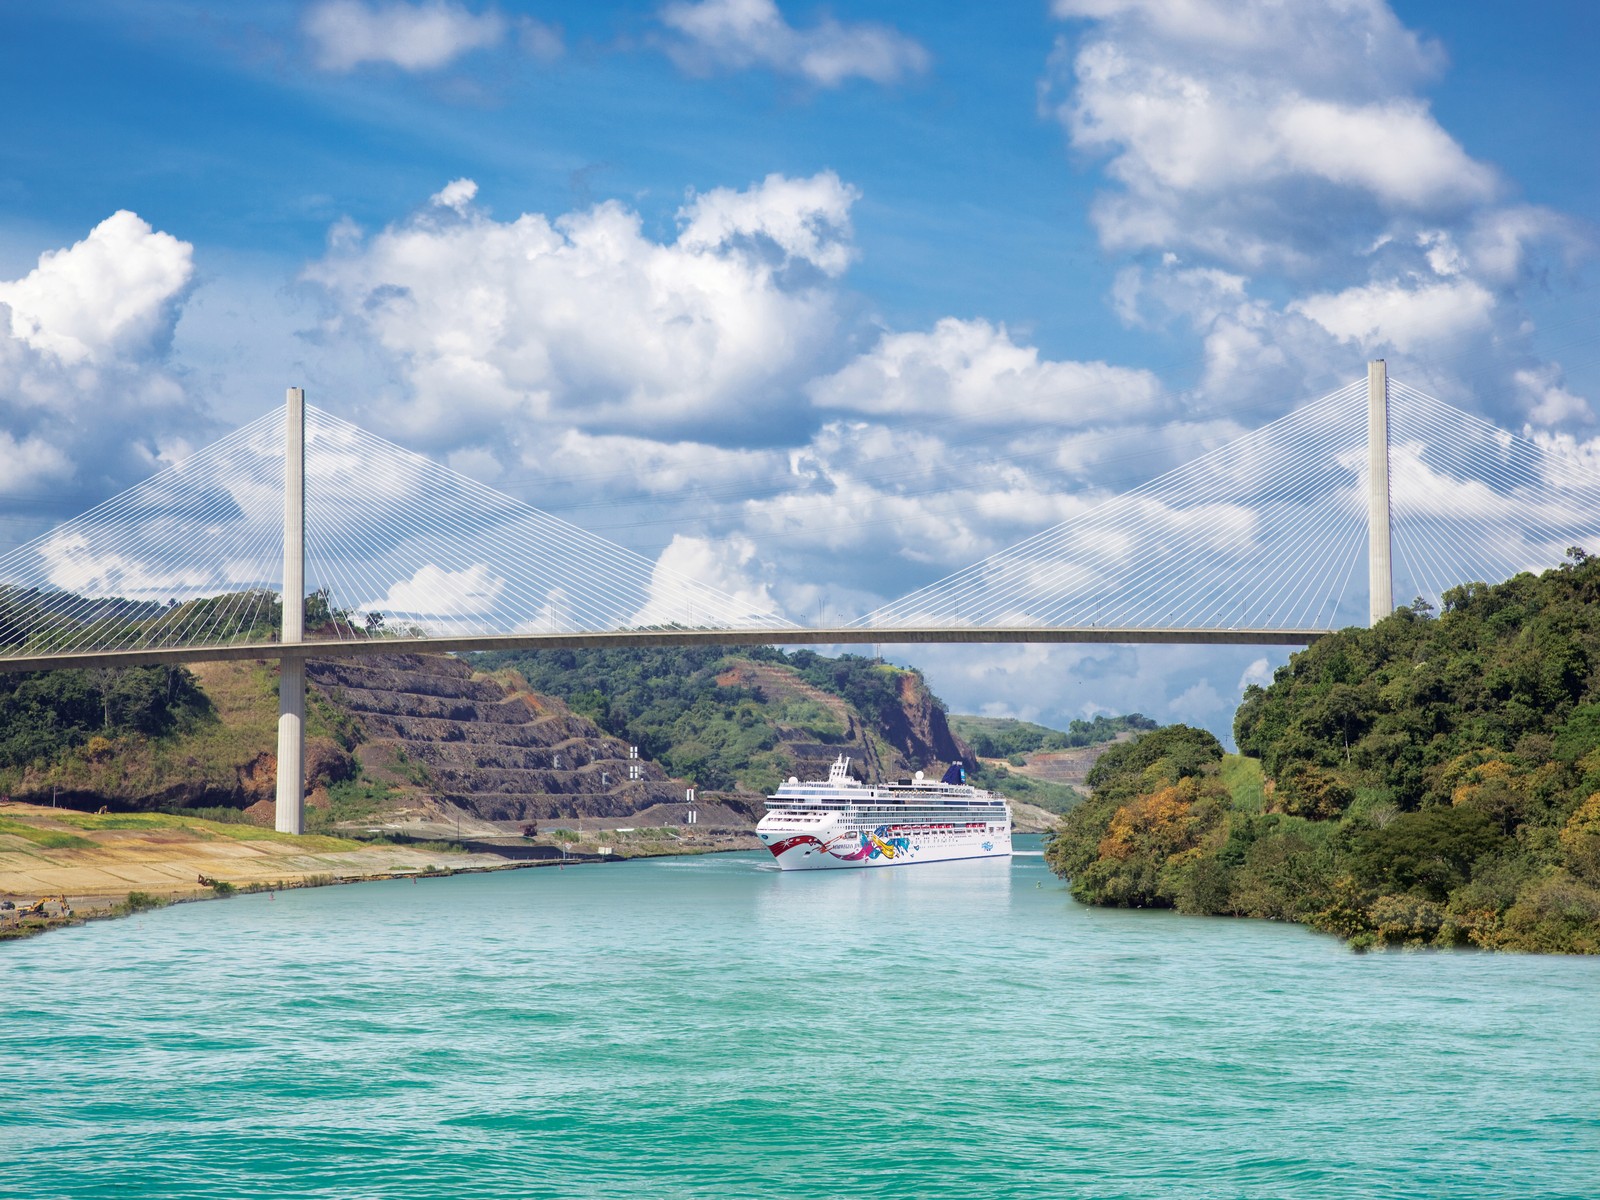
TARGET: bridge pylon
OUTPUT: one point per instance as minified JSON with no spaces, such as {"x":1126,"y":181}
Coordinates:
{"x":1380,"y":542}
{"x":290,"y":808}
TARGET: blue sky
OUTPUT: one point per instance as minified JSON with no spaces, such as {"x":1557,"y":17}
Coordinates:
{"x":691,"y":272}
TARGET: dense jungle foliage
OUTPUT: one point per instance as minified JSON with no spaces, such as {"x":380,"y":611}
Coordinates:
{"x":1007,"y":737}
{"x":667,"y":702}
{"x":46,"y":712}
{"x":1429,"y":781}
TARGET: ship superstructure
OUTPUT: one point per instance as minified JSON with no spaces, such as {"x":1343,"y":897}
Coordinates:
{"x":844,"y":823}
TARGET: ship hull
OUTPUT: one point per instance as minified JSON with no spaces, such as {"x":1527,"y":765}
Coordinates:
{"x":894,"y":846}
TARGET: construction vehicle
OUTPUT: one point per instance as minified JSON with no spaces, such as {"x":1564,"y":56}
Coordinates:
{"x":38,"y":906}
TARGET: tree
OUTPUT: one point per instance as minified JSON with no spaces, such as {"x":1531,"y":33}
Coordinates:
{"x":1313,"y":793}
{"x":1431,"y":851}
{"x":105,"y":683}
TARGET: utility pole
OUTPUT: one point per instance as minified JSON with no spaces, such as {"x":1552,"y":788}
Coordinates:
{"x":292,"y":673}
{"x":1380,"y":549}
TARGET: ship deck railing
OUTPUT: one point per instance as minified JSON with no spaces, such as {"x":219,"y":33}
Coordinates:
{"x":895,"y":815}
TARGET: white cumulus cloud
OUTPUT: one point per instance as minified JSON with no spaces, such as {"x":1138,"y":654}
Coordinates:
{"x":30,"y":462}
{"x":414,"y":37}
{"x":1503,"y":243}
{"x":1407,"y":316}
{"x":97,"y":563}
{"x":455,"y":195}
{"x":434,"y":592}
{"x":647,"y":466}
{"x":974,"y":371}
{"x":1259,"y":672}
{"x":729,"y":565}
{"x":740,"y":34}
{"x":1253,"y":130}
{"x":805,"y":219}
{"x":112,"y":295}
{"x":89,"y":402}
{"x":531,"y":320}
{"x":1359,"y":42}
{"x":1547,"y":400}
{"x":1256,"y":149}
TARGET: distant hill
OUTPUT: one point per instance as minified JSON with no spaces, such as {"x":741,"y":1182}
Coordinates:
{"x":1004,"y":737}
{"x":1037,"y":764}
{"x":35,"y":620}
{"x":746,"y":719}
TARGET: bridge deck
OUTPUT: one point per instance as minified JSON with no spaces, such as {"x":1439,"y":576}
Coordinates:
{"x":795,"y":636}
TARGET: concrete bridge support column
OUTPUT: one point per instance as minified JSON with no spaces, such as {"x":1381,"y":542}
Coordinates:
{"x":292,"y":676}
{"x":1380,"y":547}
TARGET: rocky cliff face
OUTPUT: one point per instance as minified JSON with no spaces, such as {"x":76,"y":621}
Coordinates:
{"x":919,"y":731}
{"x":913,"y":738}
{"x":500,"y":753}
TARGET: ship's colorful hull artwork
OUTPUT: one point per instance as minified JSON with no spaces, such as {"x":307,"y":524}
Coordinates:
{"x":849,"y":847}
{"x":884,"y":846}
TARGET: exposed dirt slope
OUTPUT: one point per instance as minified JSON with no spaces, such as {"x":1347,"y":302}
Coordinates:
{"x":920,"y":733}
{"x":499,"y":753}
{"x":1030,"y":818}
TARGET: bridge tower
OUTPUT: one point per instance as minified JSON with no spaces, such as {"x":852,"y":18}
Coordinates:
{"x":1380,"y":548}
{"x":292,"y":673}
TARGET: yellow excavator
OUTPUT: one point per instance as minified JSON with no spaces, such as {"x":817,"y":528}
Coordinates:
{"x":38,"y":906}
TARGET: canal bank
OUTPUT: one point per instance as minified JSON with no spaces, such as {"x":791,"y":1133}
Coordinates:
{"x":69,"y":866}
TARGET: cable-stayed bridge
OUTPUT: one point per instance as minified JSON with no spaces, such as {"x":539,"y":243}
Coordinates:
{"x":1259,"y":541}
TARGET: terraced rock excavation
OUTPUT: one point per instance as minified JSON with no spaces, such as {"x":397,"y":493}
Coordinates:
{"x":501,"y":754}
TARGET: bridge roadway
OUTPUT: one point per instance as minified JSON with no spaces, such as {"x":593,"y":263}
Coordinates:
{"x":785,"y":636}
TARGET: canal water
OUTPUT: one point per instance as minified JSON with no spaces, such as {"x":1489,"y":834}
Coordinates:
{"x":710,"y":1027}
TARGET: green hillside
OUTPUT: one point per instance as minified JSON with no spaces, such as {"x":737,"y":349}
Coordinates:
{"x":745,"y":719}
{"x":142,"y":738}
{"x":1003,"y":737}
{"x":1429,"y":781}
{"x":1014,"y":740}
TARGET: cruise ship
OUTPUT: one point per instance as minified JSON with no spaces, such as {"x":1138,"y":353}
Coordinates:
{"x":844,"y":823}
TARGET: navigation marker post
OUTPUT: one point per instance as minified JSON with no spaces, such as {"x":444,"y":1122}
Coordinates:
{"x":292,"y":673}
{"x":1380,"y":547}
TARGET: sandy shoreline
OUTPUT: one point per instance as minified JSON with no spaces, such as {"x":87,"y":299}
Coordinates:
{"x":91,"y":864}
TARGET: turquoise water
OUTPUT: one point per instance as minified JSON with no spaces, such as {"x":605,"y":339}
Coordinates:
{"x":713,"y":1028}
